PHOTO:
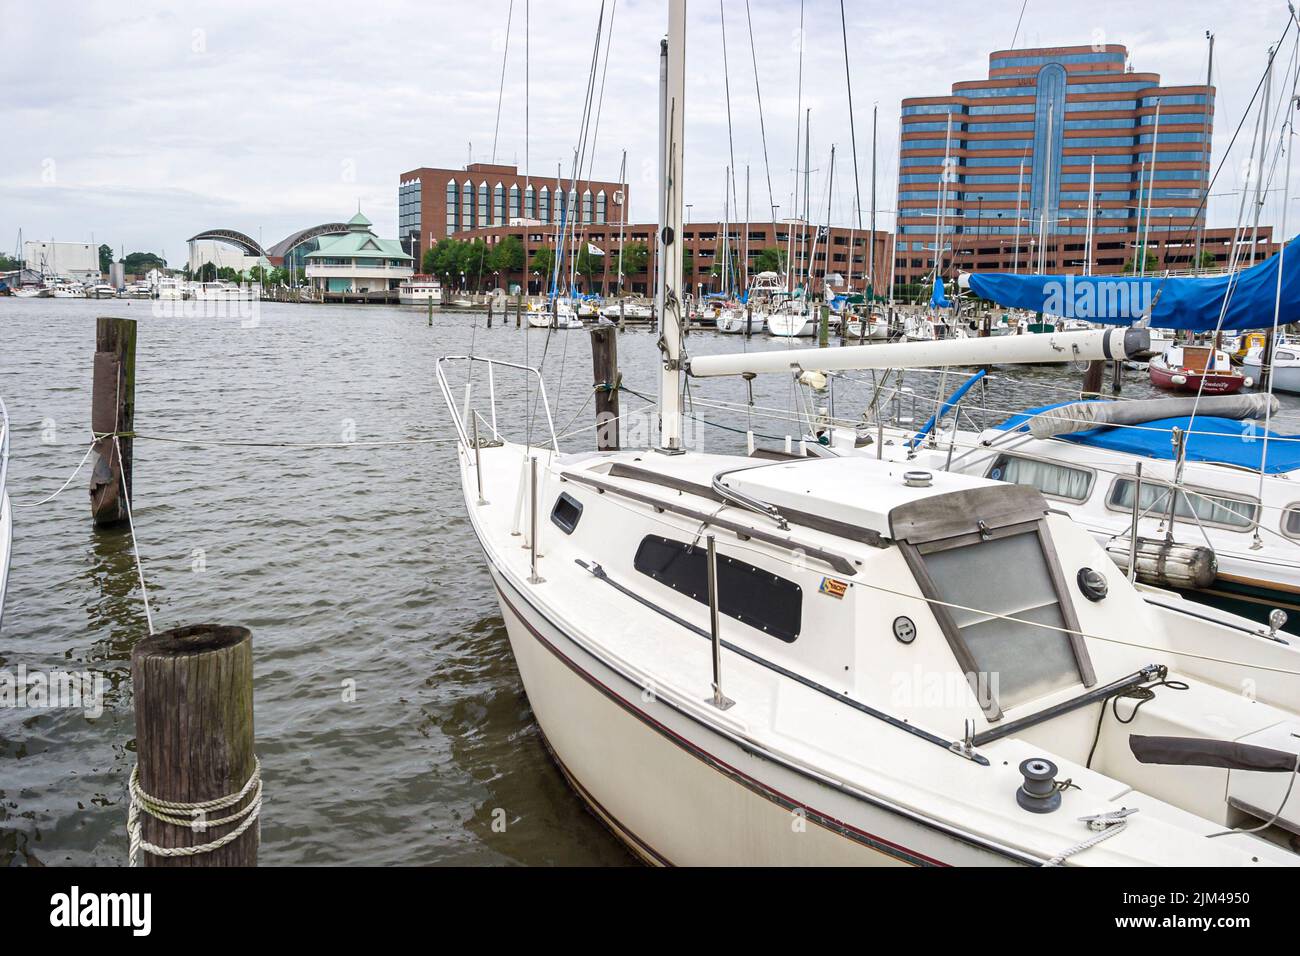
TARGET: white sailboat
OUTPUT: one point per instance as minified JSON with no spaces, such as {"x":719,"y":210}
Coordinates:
{"x":731,"y":659}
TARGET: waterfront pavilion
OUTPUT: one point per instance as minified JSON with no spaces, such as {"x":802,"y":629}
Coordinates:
{"x":358,"y":261}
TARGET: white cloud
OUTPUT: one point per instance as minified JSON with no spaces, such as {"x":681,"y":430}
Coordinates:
{"x":154,"y":121}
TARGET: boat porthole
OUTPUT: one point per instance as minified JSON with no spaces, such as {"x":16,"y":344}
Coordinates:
{"x":904,"y":630}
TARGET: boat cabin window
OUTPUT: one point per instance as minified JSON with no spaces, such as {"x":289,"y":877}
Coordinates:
{"x":761,"y":599}
{"x":1191,"y":506}
{"x":982,"y":583}
{"x":1058,"y":481}
{"x":1291,"y":521}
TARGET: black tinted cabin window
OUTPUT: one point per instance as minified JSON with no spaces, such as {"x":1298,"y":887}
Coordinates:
{"x":566,"y":512}
{"x":765,"y":601}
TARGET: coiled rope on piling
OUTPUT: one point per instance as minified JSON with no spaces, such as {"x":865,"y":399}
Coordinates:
{"x":171,"y":812}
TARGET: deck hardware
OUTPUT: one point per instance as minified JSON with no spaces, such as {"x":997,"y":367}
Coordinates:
{"x":1133,"y":531}
{"x":1092,"y":584}
{"x":1039,"y":792}
{"x":720,"y":700}
{"x":478,"y":464}
{"x":985,"y":531}
{"x":918,"y":479}
{"x":966,"y":746}
{"x":1277,"y":618}
{"x":533,"y":578}
{"x":904,"y":630}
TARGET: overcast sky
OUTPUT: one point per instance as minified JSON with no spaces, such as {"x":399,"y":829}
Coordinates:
{"x":140,"y":124}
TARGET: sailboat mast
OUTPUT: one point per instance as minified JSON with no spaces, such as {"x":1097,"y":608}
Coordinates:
{"x":668,"y":295}
{"x":1020,"y":195}
{"x":745,"y":261}
{"x":1205,"y":173}
{"x":942,"y":206}
{"x":1092,"y":193}
{"x":622,"y":220}
{"x":807,"y":199}
{"x":1047,"y":189}
{"x":871,"y":238}
{"x":726,"y":230}
{"x":1151,"y":183}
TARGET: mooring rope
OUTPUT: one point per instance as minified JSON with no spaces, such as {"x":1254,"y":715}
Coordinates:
{"x":170,"y":811}
{"x":62,"y":488}
{"x":1110,"y":824}
{"x":135,"y":544}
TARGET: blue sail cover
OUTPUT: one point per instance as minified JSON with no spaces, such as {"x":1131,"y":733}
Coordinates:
{"x":938,"y":299}
{"x":1218,"y":440}
{"x":1176,"y":302}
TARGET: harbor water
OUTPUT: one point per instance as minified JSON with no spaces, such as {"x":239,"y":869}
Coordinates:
{"x":390,"y":720}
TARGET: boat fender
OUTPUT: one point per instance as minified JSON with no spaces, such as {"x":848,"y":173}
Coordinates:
{"x":1039,"y":792}
{"x":1249,"y":382}
{"x":1169,"y":564}
{"x":1178,"y":379}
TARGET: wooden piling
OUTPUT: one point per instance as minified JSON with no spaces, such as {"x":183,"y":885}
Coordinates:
{"x":1093,"y":377}
{"x":604,"y":367}
{"x":112,"y":412}
{"x":824,"y":327}
{"x":193,"y":691}
{"x":519,"y":311}
{"x":430,"y":313}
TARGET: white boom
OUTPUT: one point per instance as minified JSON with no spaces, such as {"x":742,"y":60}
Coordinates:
{"x":1118,"y":344}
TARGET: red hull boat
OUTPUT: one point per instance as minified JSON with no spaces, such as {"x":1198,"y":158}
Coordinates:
{"x":1185,"y":368}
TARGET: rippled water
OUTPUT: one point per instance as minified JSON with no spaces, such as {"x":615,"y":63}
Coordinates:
{"x":352,"y":564}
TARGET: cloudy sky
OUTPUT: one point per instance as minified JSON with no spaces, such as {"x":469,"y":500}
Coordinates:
{"x":140,"y":124}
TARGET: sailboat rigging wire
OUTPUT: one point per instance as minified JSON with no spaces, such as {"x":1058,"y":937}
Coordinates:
{"x":1019,"y":20}
{"x":731,"y":141}
{"x":762,"y":125}
{"x":853,"y":132}
{"x":501,"y":90}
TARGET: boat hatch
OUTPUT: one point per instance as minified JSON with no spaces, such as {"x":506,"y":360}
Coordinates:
{"x":985,"y":560}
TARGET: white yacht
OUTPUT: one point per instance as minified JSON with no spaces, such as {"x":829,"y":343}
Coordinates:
{"x":1285,"y":366}
{"x":839,"y":661}
{"x":627,"y":309}
{"x":792,"y":320}
{"x":420,"y":290}
{"x":221,"y":291}
{"x":562,"y":316}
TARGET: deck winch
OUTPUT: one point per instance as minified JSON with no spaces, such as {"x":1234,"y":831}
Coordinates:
{"x":1168,"y":564}
{"x":1039,"y":792}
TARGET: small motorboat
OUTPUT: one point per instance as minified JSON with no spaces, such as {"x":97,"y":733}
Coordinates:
{"x":1195,"y":369}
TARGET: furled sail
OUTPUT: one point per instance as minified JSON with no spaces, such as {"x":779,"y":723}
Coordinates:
{"x":1192,"y":303}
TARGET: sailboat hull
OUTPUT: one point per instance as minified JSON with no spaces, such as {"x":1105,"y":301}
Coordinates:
{"x":677,"y":792}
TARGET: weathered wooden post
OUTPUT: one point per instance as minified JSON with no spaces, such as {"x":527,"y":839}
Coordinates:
{"x":622,"y":316}
{"x":519,"y":310}
{"x":604,"y":367}
{"x":112,"y":413}
{"x":1093,"y":377}
{"x":489,"y":305}
{"x":431,"y":312}
{"x":824,"y":327}
{"x":749,"y":319}
{"x":196,"y":791}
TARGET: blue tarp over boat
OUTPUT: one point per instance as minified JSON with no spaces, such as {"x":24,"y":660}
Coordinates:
{"x":1176,"y":302}
{"x":1223,"y":441}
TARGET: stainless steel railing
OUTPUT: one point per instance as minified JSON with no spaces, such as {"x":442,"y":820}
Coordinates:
{"x":462,"y":413}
